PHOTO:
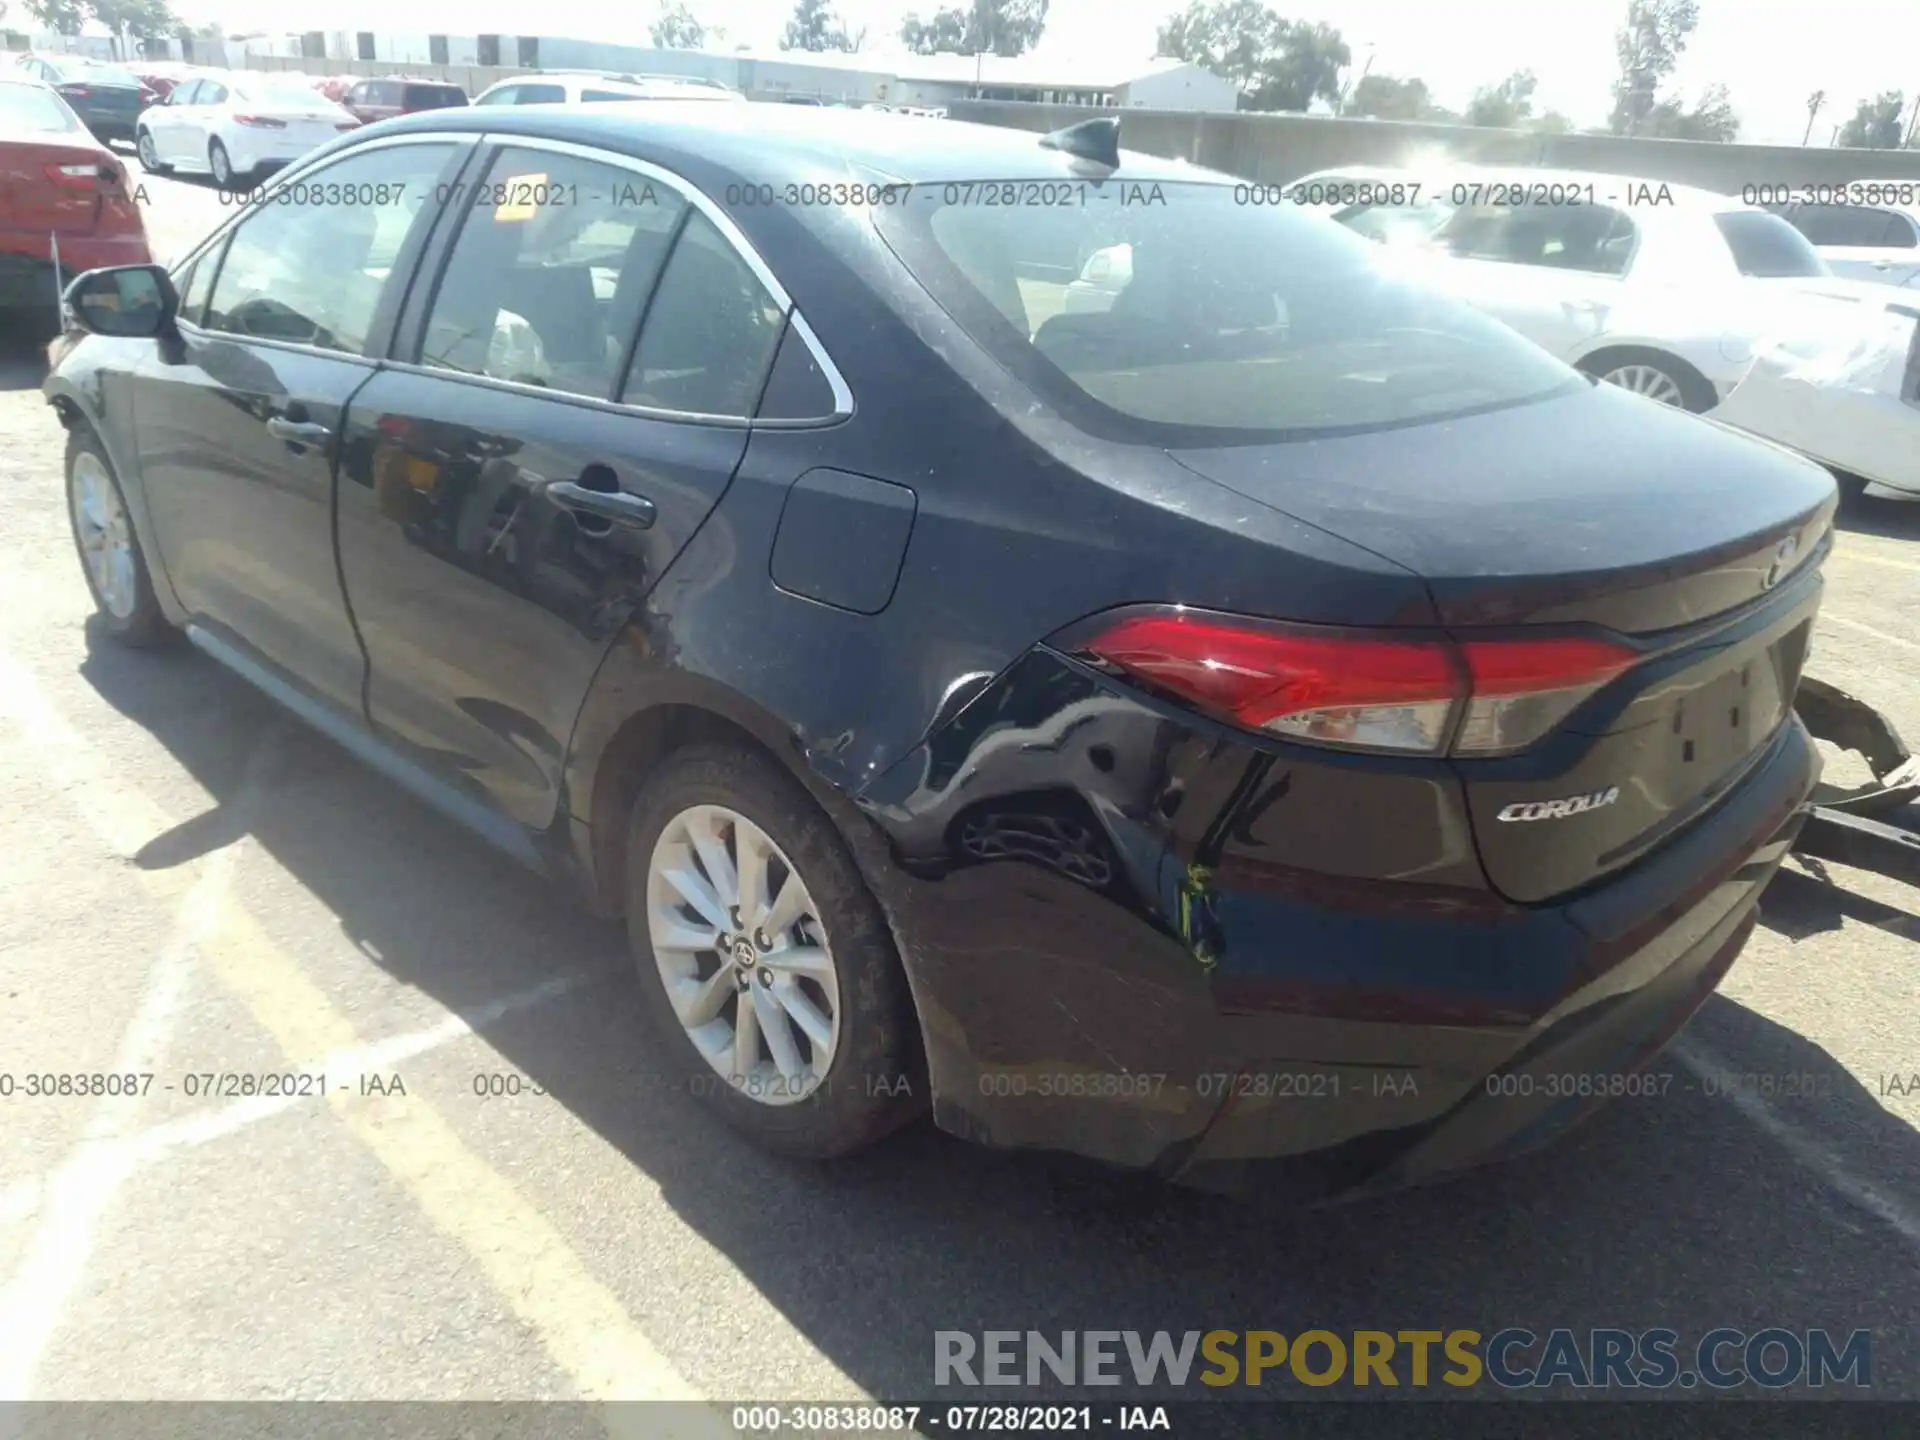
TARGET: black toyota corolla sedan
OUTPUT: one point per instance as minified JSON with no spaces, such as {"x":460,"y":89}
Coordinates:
{"x":1013,"y":631}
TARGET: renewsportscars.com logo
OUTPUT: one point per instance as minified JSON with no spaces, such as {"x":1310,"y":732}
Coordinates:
{"x":1512,"y":1358}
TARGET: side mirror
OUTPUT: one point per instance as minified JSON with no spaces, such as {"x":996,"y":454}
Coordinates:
{"x":136,"y":301}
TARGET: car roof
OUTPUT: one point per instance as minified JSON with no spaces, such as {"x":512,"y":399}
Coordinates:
{"x":762,"y":142}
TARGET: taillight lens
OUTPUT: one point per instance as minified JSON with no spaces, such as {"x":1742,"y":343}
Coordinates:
{"x":75,"y":92}
{"x":260,"y":122}
{"x":78,"y":177}
{"x":1357,"y":689}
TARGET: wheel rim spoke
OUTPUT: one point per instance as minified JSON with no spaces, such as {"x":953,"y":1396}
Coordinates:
{"x":777,"y":1030}
{"x":784,"y":1018}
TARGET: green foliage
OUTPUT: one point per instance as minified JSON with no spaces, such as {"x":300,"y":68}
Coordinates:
{"x":1877,"y":124}
{"x":992,"y":27}
{"x":1278,"y":64}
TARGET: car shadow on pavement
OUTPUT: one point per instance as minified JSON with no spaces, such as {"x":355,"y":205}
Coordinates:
{"x":23,"y":357}
{"x":1677,"y":1208}
{"x":1884,"y":513}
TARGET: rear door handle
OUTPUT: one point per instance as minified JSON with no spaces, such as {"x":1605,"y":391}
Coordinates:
{"x":297,"y":432}
{"x":615,"y":505}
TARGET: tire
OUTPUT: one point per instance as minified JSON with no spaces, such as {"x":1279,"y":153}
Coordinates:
{"x":220,"y":164}
{"x":111,"y":559}
{"x":148,"y":155}
{"x":1643,"y":371}
{"x":871,"y":1078}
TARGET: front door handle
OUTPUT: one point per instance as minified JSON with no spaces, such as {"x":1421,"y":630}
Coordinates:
{"x":615,"y":505}
{"x":297,"y":432}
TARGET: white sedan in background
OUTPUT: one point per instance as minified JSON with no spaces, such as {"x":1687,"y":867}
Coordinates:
{"x":234,"y":125}
{"x":1663,"y":289}
{"x":1870,"y":231}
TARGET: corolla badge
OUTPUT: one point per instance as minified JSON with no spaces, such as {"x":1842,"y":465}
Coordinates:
{"x":1558,"y":809}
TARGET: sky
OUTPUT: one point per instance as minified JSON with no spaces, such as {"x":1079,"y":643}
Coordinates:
{"x":1770,"y":53}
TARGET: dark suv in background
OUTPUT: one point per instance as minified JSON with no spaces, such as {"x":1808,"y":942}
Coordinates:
{"x":371,"y":100}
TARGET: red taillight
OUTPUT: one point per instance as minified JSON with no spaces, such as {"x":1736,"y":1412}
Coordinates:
{"x":1361,"y":690}
{"x":260,"y":122}
{"x":79,"y":177}
{"x":73,"y":92}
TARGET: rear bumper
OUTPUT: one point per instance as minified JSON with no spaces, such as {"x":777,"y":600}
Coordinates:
{"x":1258,"y":1021}
{"x":110,"y":125}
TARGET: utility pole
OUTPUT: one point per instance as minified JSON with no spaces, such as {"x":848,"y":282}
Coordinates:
{"x":1347,"y":90}
{"x":1913,"y":123}
{"x":1814,"y":102}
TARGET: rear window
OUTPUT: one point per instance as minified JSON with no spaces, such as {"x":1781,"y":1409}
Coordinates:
{"x":610,"y":95}
{"x":1168,"y":314}
{"x":103,"y":75}
{"x":432,"y":97}
{"x":1766,"y":246}
{"x":33,"y":110}
{"x":289,"y":93}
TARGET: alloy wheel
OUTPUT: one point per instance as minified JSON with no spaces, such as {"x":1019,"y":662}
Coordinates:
{"x":149,"y":157}
{"x":1648,"y":380}
{"x":221,"y":164}
{"x":743,"y":955}
{"x":106,"y":537}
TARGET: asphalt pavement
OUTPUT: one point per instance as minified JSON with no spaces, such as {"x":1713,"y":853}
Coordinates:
{"x":193,"y":886}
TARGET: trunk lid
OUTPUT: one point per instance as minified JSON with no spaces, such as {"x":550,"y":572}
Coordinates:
{"x":1593,"y":511}
{"x":38,"y":199}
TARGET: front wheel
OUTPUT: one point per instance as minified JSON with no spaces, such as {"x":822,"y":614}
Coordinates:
{"x":221,"y":164}
{"x":149,"y":154}
{"x":110,"y":554}
{"x":766,"y":964}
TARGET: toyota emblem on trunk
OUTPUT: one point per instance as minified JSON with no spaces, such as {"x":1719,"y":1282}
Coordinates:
{"x":1782,"y":562}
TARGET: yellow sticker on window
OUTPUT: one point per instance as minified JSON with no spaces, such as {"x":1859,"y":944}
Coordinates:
{"x":519,"y":198}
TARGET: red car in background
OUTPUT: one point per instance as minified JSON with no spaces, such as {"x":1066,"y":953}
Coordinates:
{"x":64,"y":203}
{"x":334,"y":87}
{"x":161,"y":77}
{"x":391,"y":95}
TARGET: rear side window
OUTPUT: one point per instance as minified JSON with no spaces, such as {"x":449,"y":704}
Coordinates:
{"x":1767,"y":247}
{"x":551,"y":273}
{"x":1855,"y":225}
{"x":210,"y":94}
{"x":608,"y":95}
{"x":431,"y":97}
{"x":709,"y":334}
{"x":313,"y":273}
{"x":1596,"y":239}
{"x":1164,"y":313}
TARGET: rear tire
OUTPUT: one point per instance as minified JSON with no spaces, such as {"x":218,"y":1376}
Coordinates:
{"x":1852,"y":487}
{"x":1660,"y":377}
{"x":109,"y":548}
{"x":149,"y":154}
{"x":826,"y":979}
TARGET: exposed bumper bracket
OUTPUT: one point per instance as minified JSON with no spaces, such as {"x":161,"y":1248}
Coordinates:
{"x":1840,"y":824}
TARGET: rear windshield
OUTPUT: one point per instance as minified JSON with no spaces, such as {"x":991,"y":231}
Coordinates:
{"x":284,"y":92}
{"x":36,"y":111}
{"x":1169,"y":314}
{"x":432,"y":97}
{"x":1766,"y":246}
{"x":89,"y":74}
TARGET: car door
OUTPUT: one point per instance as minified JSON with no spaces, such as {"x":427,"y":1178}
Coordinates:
{"x":515,"y":484}
{"x":194,"y":126}
{"x":164,"y":121}
{"x":1552,"y":272}
{"x":238,"y":425}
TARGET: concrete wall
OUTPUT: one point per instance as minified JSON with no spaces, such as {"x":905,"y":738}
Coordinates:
{"x":1278,"y":148}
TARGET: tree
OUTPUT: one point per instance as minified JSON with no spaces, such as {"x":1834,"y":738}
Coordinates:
{"x":1877,"y":124}
{"x":1815,"y":102}
{"x":63,"y":17}
{"x":1505,"y":105}
{"x":1307,"y":68}
{"x":1711,"y":119}
{"x":990,"y":27}
{"x":1278,"y":64}
{"x":677,"y":29}
{"x":139,"y":19}
{"x":1649,"y":47}
{"x":1386,"y":98}
{"x":1234,"y":38}
{"x":1551,"y":123}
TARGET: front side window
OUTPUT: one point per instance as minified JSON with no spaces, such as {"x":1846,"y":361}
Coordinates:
{"x":1209,"y":322}
{"x":551,"y":272}
{"x":710,"y":332}
{"x":540,"y":95}
{"x":312,"y":272}
{"x":197,"y":285}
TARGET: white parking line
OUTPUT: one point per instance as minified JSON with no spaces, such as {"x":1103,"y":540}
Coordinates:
{"x":1824,"y":1164}
{"x":343,"y":1069}
{"x":1827,"y":617}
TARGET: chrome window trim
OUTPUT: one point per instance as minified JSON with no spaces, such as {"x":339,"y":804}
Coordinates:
{"x":731,"y":233}
{"x":574,"y":397}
